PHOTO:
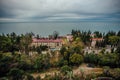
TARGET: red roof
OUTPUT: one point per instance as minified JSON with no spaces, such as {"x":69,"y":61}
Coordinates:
{"x":34,"y":40}
{"x":97,"y":39}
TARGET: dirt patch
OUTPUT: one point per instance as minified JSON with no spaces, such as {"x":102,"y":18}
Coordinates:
{"x":86,"y":70}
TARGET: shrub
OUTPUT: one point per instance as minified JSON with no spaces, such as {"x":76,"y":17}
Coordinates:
{"x":115,"y":73}
{"x":16,"y":74}
{"x":91,"y":58}
{"x":64,"y":69}
{"x":108,"y":60}
{"x":76,"y":59}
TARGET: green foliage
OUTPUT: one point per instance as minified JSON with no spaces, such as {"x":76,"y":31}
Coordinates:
{"x":5,"y":43}
{"x":24,"y":66}
{"x":62,"y":62}
{"x":15,"y":64}
{"x":42,"y":62}
{"x":12,"y":42}
{"x":106,"y":71}
{"x":5,"y":60}
{"x":116,"y":73}
{"x":62,"y":50}
{"x":76,"y":59}
{"x":91,"y":58}
{"x":98,"y":34}
{"x":64,"y":69}
{"x":66,"y":52}
{"x":83,"y":35}
{"x":70,"y":75}
{"x":114,"y":40}
{"x":40,"y":48}
{"x":108,"y":60}
{"x":16,"y":74}
{"x":77,"y":49}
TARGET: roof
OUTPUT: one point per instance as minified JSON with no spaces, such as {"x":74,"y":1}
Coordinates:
{"x":46,"y":40}
{"x":97,"y":39}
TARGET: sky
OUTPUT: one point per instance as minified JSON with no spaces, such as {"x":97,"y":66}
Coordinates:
{"x":59,"y":10}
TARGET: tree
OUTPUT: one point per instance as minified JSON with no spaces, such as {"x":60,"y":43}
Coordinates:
{"x":42,"y":62}
{"x":77,"y":49}
{"x":118,"y":34}
{"x":5,"y":43}
{"x":118,"y":54}
{"x":38,"y":49}
{"x":62,"y":62}
{"x":98,"y":34}
{"x":37,"y":36}
{"x":62,"y":50}
{"x":55,"y":34}
{"x":114,"y":40}
{"x":76,"y":59}
{"x":108,"y":59}
{"x":91,"y":58}
{"x":25,"y":42}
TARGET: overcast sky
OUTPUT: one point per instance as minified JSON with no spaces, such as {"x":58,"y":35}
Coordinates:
{"x":59,"y":10}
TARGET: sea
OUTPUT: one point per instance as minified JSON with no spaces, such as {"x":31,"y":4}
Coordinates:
{"x":63,"y":28}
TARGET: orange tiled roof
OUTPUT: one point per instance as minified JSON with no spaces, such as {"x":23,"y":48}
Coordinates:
{"x":46,"y":40}
{"x":97,"y":39}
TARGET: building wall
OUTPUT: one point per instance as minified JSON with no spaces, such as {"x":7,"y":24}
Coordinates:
{"x":50,"y":45}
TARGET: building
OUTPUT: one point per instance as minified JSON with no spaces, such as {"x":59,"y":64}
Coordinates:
{"x":69,"y":37}
{"x":94,"y":40}
{"x":51,"y":43}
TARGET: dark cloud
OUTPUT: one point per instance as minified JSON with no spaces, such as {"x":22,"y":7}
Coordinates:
{"x":59,"y":10}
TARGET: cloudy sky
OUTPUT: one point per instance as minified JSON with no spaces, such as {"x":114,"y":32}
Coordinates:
{"x":59,"y":10}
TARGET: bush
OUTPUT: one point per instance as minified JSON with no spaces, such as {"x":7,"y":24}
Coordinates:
{"x":76,"y":59}
{"x":62,"y":62}
{"x":64,"y":69}
{"x":91,"y":58}
{"x":108,"y":60}
{"x":42,"y":62}
{"x":16,"y":74}
{"x":115,"y":73}
{"x":24,"y":66}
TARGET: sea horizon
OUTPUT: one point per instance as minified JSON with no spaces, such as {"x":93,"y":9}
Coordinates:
{"x":47,"y":28}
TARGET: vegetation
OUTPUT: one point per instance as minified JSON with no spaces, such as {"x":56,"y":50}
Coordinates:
{"x":65,"y":69}
{"x":76,"y":59}
{"x":16,"y":63}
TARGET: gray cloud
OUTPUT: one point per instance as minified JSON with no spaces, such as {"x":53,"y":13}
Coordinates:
{"x":53,"y":10}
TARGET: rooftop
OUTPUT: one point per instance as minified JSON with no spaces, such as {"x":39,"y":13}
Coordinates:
{"x":46,"y":40}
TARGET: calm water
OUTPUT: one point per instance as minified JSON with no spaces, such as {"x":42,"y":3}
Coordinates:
{"x":45,"y":29}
